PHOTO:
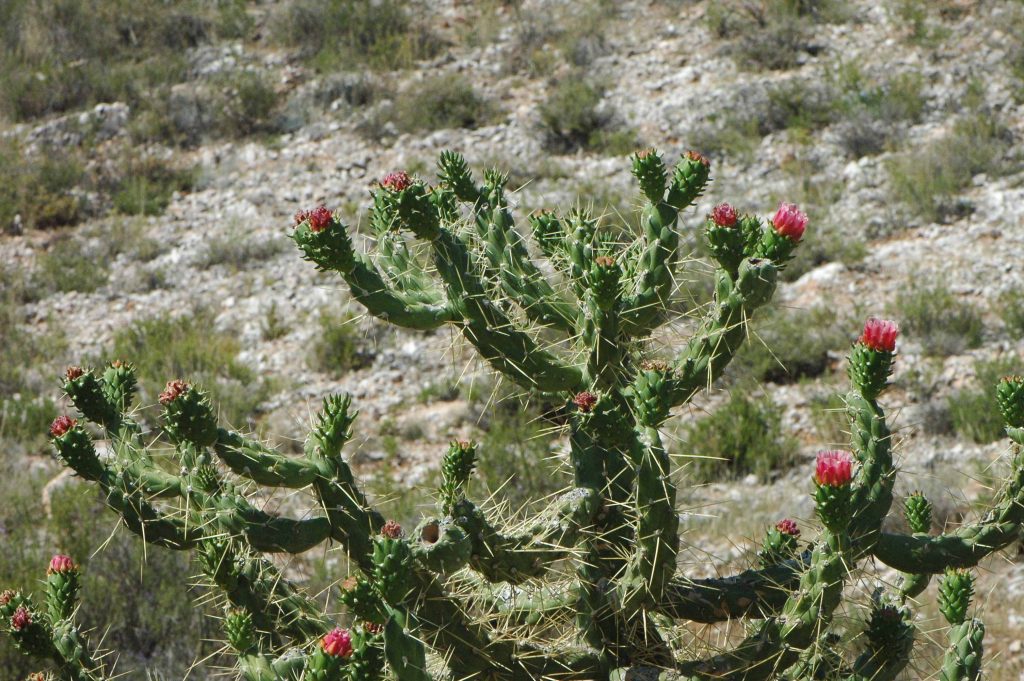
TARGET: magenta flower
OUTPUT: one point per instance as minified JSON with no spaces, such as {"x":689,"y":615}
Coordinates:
{"x":319,"y":219}
{"x":880,"y":334}
{"x":585,"y":401}
{"x":834,"y":468}
{"x":397,"y":181}
{"x":724,"y":215}
{"x":61,"y":425}
{"x":61,"y":564}
{"x":391,"y":529}
{"x":173,"y":391}
{"x":337,"y":643}
{"x":788,"y":526}
{"x":789,"y":221}
{"x":21,"y":619}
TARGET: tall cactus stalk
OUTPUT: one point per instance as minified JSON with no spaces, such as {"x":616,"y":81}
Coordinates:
{"x":590,"y":587}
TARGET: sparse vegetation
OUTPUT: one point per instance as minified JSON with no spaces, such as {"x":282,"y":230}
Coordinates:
{"x":147,"y":184}
{"x":238,"y":250}
{"x":790,"y":345}
{"x":69,"y":264}
{"x":742,"y":436}
{"x":573,"y":118}
{"x":449,"y":101}
{"x":337,"y":349}
{"x":973,"y":410}
{"x":38,"y":191}
{"x":937,"y":319}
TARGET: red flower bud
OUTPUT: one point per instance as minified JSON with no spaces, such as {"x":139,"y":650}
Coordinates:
{"x":61,"y":564}
{"x":337,"y":643}
{"x":396,"y":182}
{"x":788,"y":526}
{"x":391,"y":529}
{"x":319,"y":219}
{"x":724,"y":215}
{"x":585,"y":401}
{"x":789,"y":221}
{"x":73,"y":372}
{"x":173,"y":391}
{"x":6,"y":596}
{"x":834,"y":468}
{"x":61,"y":425}
{"x":21,"y":619}
{"x":880,"y":334}
{"x":373,"y":627}
{"x":604,"y":261}
{"x":699,"y":158}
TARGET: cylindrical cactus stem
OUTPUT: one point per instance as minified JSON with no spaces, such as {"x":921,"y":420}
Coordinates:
{"x":725,"y":238}
{"x":1010,"y":398}
{"x":91,"y":399}
{"x":405,"y":654}
{"x":456,"y":467}
{"x":689,"y":178}
{"x":918,"y":512}
{"x":780,"y":543}
{"x":890,"y":642}
{"x":62,"y":585}
{"x":955,"y":592}
{"x":454,"y":172}
{"x":870,"y":361}
{"x":240,"y":631}
{"x":120,"y":385}
{"x":188,"y":414}
{"x":649,"y":171}
{"x":832,"y":489}
{"x":962,"y":661}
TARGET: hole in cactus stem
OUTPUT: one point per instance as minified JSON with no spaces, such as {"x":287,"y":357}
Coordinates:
{"x":430,"y":533}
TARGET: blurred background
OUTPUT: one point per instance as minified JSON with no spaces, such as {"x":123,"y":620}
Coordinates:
{"x":152,"y":153}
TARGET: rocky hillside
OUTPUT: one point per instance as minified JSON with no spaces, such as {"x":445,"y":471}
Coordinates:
{"x":153,"y":225}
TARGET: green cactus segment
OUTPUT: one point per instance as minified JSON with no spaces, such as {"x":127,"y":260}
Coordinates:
{"x":76,"y":451}
{"x":777,"y":547}
{"x":869,"y":370}
{"x":955,"y":592}
{"x":120,"y":385}
{"x":61,"y":594}
{"x":95,"y":400}
{"x":689,"y":178}
{"x":405,"y":654}
{"x":367,"y":660}
{"x":507,"y":348}
{"x":657,"y":535}
{"x":918,"y":512}
{"x":392,"y":568}
{"x":1010,"y":398}
{"x":890,"y":642}
{"x":654,"y":271}
{"x":189,"y":417}
{"x":718,"y":339}
{"x":967,"y":545}
{"x":257,"y":462}
{"x":240,"y":631}
{"x":456,"y":467}
{"x":962,"y":661}
{"x":726,"y":245}
{"x":872,"y":495}
{"x":331,"y":250}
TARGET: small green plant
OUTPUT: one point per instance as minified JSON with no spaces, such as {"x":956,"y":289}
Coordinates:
{"x":740,"y":437}
{"x":1010,"y":308}
{"x":338,"y":350}
{"x":273,"y":326}
{"x":973,"y":409}
{"x":147,"y":185}
{"x":572,"y":119}
{"x":239,"y":250}
{"x":70,"y":264}
{"x":39,"y":190}
{"x":246,"y":104}
{"x":791,"y":344}
{"x":943,"y":323}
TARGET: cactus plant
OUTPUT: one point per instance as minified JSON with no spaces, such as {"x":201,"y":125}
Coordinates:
{"x":587,"y":589}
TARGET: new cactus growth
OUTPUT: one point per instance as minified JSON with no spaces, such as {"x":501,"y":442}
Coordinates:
{"x":589,"y":588}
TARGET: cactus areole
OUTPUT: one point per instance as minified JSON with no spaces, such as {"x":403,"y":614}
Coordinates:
{"x":589,"y":587}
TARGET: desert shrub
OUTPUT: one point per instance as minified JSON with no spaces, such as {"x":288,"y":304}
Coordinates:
{"x":572,"y":118}
{"x":740,"y":437}
{"x":789,"y":345}
{"x":448,"y":101}
{"x":974,"y":411}
{"x":239,"y":250}
{"x":872,"y":113}
{"x":69,"y":264}
{"x":1010,"y":307}
{"x":246,"y":103}
{"x":147,"y":184}
{"x":331,"y":33}
{"x":190,"y":347}
{"x":38,"y":189}
{"x":829,"y":416}
{"x":337,"y":349}
{"x":934,"y":317}
{"x":928,"y":181}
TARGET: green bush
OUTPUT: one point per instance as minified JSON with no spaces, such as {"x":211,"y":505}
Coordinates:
{"x":238,"y":250}
{"x":147,"y":184}
{"x":1010,"y":307}
{"x":38,"y":189}
{"x":573,"y":119}
{"x":742,"y":436}
{"x":943,"y":324}
{"x":974,"y":411}
{"x":336,"y":349}
{"x":69,"y":264}
{"x":334,"y":34}
{"x":448,"y":101}
{"x":245,"y":104}
{"x":190,"y":347}
{"x":929,"y":180}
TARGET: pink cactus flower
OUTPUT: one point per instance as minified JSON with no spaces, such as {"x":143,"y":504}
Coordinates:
{"x":21,"y":619}
{"x":173,"y":391}
{"x":789,"y":221}
{"x":73,"y":372}
{"x":585,"y":401}
{"x":6,"y":596}
{"x":788,"y":526}
{"x":61,"y":564}
{"x":319,"y":219}
{"x":724,"y":215}
{"x":834,"y":468}
{"x":880,"y":334}
{"x":337,"y":643}
{"x":391,"y":529}
{"x":61,"y":425}
{"x":397,"y":181}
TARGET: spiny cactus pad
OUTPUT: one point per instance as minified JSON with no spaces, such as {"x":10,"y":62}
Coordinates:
{"x":589,"y":587}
